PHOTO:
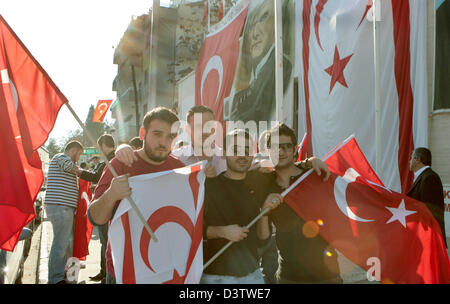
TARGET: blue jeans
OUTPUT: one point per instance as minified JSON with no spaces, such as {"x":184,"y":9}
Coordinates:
{"x":255,"y":277}
{"x":62,"y":219}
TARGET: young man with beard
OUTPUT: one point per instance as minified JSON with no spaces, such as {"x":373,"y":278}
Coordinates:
{"x":304,"y":258}
{"x":197,"y":117}
{"x":232,"y":200}
{"x":157,"y":136}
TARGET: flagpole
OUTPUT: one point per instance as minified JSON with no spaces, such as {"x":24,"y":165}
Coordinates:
{"x":376,"y":12}
{"x":113,"y":171}
{"x":278,"y":60}
{"x":231,"y":242}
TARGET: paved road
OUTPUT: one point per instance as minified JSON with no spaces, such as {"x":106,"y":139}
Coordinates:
{"x":36,"y":264}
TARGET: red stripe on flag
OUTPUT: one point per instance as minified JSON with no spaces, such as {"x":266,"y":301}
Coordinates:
{"x":402,"y":64}
{"x":306,"y":31}
{"x":128,"y":275}
{"x":194,"y":185}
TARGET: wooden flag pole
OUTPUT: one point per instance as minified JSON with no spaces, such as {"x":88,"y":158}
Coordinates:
{"x":113,"y":171}
{"x":231,"y":242}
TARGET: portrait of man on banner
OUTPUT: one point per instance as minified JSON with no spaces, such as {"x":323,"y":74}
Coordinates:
{"x":254,"y":83}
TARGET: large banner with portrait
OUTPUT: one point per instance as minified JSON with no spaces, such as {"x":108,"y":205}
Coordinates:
{"x":251,"y":96}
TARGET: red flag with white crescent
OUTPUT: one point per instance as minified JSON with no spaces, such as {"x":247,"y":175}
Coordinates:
{"x":217,"y":62}
{"x":368,"y":222}
{"x":176,"y":218}
{"x":29,"y":105}
{"x":101,"y":109}
{"x":82,"y":231}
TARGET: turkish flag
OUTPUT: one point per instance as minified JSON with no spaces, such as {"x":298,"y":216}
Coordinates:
{"x":101,"y":109}
{"x":301,"y":149}
{"x":365,"y":221}
{"x":217,"y":62}
{"x":29,"y":104}
{"x":82,"y":228}
{"x":220,"y":15}
{"x":338,"y":92}
{"x":176,"y":218}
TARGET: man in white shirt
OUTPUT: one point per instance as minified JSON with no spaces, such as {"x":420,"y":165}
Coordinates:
{"x":199,"y":149}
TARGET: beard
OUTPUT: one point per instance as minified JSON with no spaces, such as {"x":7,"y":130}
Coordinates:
{"x":154,"y":156}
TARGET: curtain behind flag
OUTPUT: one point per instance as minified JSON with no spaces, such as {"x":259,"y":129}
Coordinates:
{"x":216,"y":64}
{"x":337,"y":74}
{"x":172,"y":203}
{"x":29,"y":102}
{"x":82,"y":230}
{"x":364,"y":220}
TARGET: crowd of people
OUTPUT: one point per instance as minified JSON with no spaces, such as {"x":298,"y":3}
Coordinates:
{"x":237,"y":189}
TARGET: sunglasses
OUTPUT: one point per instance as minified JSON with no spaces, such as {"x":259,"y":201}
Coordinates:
{"x":285,"y":147}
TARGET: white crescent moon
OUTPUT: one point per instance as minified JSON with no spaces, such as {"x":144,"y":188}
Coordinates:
{"x":85,"y":196}
{"x":340,"y":187}
{"x":101,"y":107}
{"x":6,"y":80}
{"x":214,"y":63}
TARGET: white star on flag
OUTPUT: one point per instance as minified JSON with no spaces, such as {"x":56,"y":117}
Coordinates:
{"x":399,"y":214}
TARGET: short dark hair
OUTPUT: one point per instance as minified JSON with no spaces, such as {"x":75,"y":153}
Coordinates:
{"x":160,"y":113}
{"x":282,"y":129}
{"x":73,"y":144}
{"x":198,"y":109}
{"x":106,"y":139}
{"x":136,"y":142}
{"x":235,"y":133}
{"x":424,"y":155}
{"x":83,"y":165}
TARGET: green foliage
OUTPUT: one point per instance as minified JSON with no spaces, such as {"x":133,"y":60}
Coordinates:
{"x":53,"y":147}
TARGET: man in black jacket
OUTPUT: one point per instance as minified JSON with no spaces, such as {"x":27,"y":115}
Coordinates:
{"x":427,"y":186}
{"x":107,"y":144}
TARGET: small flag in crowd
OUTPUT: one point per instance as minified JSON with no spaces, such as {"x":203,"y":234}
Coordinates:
{"x":101,"y":110}
{"x":29,"y":105}
{"x":220,"y":15}
{"x":82,"y":231}
{"x":363,"y":220}
{"x":176,"y":217}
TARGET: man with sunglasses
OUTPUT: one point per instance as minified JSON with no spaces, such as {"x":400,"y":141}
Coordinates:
{"x":305,"y":257}
{"x":232,"y":200}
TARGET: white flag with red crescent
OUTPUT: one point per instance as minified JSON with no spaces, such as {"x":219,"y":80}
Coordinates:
{"x":336,"y":77}
{"x":172,"y":204}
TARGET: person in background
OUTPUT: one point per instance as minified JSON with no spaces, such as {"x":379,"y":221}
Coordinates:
{"x":135,"y":143}
{"x":61,"y":201}
{"x":427,"y":186}
{"x":107,"y":144}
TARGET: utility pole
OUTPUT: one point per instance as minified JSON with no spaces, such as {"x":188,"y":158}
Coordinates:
{"x":154,"y":53}
{"x":278,"y":60}
{"x":136,"y":99}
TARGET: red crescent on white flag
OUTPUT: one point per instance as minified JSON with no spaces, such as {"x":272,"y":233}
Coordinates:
{"x":168,"y":214}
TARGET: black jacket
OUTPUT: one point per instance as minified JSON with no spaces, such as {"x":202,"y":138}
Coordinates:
{"x":94,"y":176}
{"x":428,"y":189}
